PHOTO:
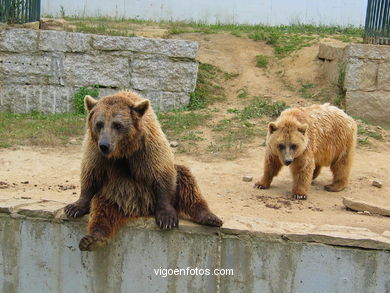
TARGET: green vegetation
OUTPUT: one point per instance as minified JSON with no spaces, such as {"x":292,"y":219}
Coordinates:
{"x":39,"y":129}
{"x":285,"y":38}
{"x":260,"y":107}
{"x":242,"y":93}
{"x":364,"y":133}
{"x":208,"y":89}
{"x":179,"y":122}
{"x":262,"y":61}
{"x":78,"y":98}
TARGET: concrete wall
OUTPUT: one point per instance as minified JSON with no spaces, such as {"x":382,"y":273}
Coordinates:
{"x":39,"y":254}
{"x":367,"y":78}
{"x":41,"y":70}
{"x":270,"y":12}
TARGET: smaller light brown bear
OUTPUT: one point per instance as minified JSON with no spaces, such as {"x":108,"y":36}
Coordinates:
{"x":307,"y":139}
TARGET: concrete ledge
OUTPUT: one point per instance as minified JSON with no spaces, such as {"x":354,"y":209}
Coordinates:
{"x":39,"y":253}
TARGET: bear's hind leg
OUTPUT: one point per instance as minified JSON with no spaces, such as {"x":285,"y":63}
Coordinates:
{"x":317,"y":171}
{"x":341,"y":169}
{"x":105,"y":220}
{"x":190,"y":201}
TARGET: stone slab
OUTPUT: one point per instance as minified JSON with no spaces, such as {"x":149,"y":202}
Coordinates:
{"x":7,"y":206}
{"x":333,"y":51}
{"x":42,"y":209}
{"x":361,"y":206}
{"x":373,"y":107}
{"x":366,"y":51}
{"x":18,"y":40}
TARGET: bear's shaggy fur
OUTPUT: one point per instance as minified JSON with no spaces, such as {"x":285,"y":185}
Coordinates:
{"x":128,"y":171}
{"x":307,"y":139}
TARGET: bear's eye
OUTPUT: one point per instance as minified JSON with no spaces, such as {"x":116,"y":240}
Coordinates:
{"x":281,"y":146}
{"x":117,"y":126}
{"x":293,"y":147}
{"x":99,"y":125}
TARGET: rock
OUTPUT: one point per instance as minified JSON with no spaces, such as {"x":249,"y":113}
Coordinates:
{"x":371,"y":106}
{"x":333,"y":51}
{"x":247,"y":178}
{"x":377,"y":183}
{"x":365,"y":207}
{"x":41,"y":70}
{"x":174,"y":144}
{"x":43,"y":209}
{"x":360,"y":75}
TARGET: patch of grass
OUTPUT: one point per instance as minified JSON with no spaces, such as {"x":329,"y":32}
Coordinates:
{"x":229,"y":76}
{"x":362,"y":130}
{"x":208,"y":89}
{"x":260,"y":107}
{"x":242,"y":93}
{"x":40,"y":129}
{"x":78,"y":98}
{"x":262,"y":61}
{"x":178,"y":122}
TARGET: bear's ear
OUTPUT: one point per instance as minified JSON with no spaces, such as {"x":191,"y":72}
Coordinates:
{"x":272,"y":127}
{"x":302,"y":128}
{"x":89,"y":103}
{"x":141,"y":107}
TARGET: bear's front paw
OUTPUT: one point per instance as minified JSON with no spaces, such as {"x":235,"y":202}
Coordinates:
{"x":300,"y":196}
{"x":167,"y":218}
{"x":90,"y":242}
{"x":208,"y":218}
{"x":76,"y":209}
{"x":260,"y":185}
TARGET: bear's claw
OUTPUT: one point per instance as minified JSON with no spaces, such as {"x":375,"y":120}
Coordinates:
{"x":260,"y":186}
{"x":90,"y":242}
{"x":300,"y":196}
{"x":211,"y":220}
{"x":167,"y":219}
{"x":75,"y":210}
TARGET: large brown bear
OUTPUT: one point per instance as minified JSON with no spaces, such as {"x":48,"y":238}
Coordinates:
{"x":128,"y":171}
{"x":306,"y":139}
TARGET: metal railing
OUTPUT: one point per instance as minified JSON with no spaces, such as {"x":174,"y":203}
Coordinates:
{"x":377,"y":28}
{"x":20,"y":11}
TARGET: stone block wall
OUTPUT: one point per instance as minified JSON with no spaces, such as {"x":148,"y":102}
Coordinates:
{"x":41,"y":70}
{"x":367,"y":79}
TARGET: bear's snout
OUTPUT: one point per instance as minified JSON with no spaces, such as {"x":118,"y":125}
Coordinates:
{"x":104,"y":146}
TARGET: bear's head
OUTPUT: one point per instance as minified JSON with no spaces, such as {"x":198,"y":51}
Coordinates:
{"x":115,"y":123}
{"x":287,"y":140}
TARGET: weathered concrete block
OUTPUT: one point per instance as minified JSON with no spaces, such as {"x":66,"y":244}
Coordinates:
{"x":78,"y":42}
{"x":27,"y":98}
{"x":164,"y":101}
{"x":334,"y":51}
{"x":371,"y":106}
{"x":360,"y":75}
{"x":32,"y":63}
{"x":365,"y":51}
{"x":31,"y":68}
{"x":164,"y":75}
{"x":106,"y":71}
{"x":18,"y":40}
{"x":384,"y":76}
{"x":52,"y":41}
{"x":172,"y":48}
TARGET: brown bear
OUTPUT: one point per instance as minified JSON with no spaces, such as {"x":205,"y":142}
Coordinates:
{"x":306,"y":139}
{"x":128,"y":171}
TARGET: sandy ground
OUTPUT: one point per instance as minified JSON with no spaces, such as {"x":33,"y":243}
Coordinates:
{"x":53,"y":174}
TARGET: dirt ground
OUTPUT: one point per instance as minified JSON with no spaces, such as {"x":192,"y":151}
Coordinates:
{"x":53,"y":174}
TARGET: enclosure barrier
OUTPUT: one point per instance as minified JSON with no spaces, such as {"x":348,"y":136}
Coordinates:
{"x":20,"y":11}
{"x":377,"y":29}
